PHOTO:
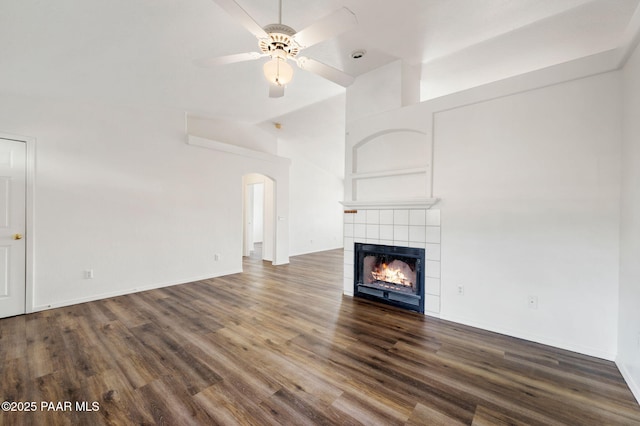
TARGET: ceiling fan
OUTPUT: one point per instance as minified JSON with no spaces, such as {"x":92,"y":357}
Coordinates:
{"x":282,"y":43}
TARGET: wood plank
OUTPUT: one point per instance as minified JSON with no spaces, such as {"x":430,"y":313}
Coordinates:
{"x":13,"y":342}
{"x":487,"y":417}
{"x":423,"y":415}
{"x":227,"y":405}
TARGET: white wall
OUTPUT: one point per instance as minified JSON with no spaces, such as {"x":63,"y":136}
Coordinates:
{"x":386,"y":88}
{"x":120,"y":192}
{"x":529,"y":184}
{"x":629,"y":319}
{"x":316,"y":149}
{"x":527,"y":171}
{"x":316,"y":212}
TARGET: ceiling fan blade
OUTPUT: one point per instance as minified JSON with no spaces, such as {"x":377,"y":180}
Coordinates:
{"x":229,"y":59}
{"x":332,"y":25}
{"x":276,"y":91}
{"x":239,"y":14}
{"x":326,"y":71}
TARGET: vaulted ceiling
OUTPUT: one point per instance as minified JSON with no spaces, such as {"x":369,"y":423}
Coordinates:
{"x":141,"y":52}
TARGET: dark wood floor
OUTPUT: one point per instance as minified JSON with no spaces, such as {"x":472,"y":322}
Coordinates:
{"x":281,"y":345}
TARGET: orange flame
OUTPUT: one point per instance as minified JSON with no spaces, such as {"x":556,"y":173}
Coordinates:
{"x":391,"y":275}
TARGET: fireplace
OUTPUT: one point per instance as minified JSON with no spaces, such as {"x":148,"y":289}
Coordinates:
{"x":390,"y":274}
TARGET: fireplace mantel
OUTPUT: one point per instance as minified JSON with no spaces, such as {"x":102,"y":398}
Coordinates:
{"x":421,"y":203}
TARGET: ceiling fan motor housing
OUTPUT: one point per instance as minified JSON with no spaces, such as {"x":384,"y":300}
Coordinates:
{"x":280,"y":41}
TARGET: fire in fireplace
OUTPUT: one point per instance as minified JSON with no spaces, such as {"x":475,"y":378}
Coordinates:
{"x":390,"y":274}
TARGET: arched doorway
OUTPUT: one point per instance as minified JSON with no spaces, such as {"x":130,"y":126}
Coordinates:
{"x":259,"y":219}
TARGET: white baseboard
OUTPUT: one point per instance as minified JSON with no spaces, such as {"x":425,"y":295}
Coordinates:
{"x":315,"y":250}
{"x":626,"y":375}
{"x":585,"y":350}
{"x":101,"y":296}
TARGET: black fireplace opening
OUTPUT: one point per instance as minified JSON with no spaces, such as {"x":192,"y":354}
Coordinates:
{"x":390,"y":274}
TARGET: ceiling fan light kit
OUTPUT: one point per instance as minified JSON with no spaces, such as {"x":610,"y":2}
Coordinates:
{"x":277,"y":71}
{"x":279,"y":47}
{"x":281,"y":42}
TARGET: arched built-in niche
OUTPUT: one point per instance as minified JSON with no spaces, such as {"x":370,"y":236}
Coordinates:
{"x":391,"y":164}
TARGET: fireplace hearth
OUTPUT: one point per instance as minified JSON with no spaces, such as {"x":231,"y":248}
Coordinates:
{"x":390,"y":274}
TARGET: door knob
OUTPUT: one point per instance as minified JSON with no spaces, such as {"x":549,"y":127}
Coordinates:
{"x":17,"y":237}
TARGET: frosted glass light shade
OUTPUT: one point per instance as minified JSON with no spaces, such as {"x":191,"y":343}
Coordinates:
{"x":278,"y":72}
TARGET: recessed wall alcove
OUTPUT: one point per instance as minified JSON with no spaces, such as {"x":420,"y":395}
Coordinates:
{"x":391,"y":164}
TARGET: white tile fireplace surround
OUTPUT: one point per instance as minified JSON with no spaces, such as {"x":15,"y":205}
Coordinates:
{"x":394,"y":226}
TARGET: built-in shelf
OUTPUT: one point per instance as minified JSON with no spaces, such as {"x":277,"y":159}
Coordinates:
{"x":402,"y":172}
{"x":237,"y":150}
{"x":420,"y":203}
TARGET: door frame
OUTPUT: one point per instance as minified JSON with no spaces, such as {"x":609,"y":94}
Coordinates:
{"x":269,"y":231}
{"x":30,"y":144}
{"x":247,"y":213}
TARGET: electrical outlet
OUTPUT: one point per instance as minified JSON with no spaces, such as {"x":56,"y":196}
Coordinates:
{"x":88,"y":274}
{"x":216,"y":257}
{"x":532,"y":302}
{"x":460,"y":290}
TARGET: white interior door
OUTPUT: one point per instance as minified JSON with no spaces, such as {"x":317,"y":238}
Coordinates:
{"x":12,"y":227}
